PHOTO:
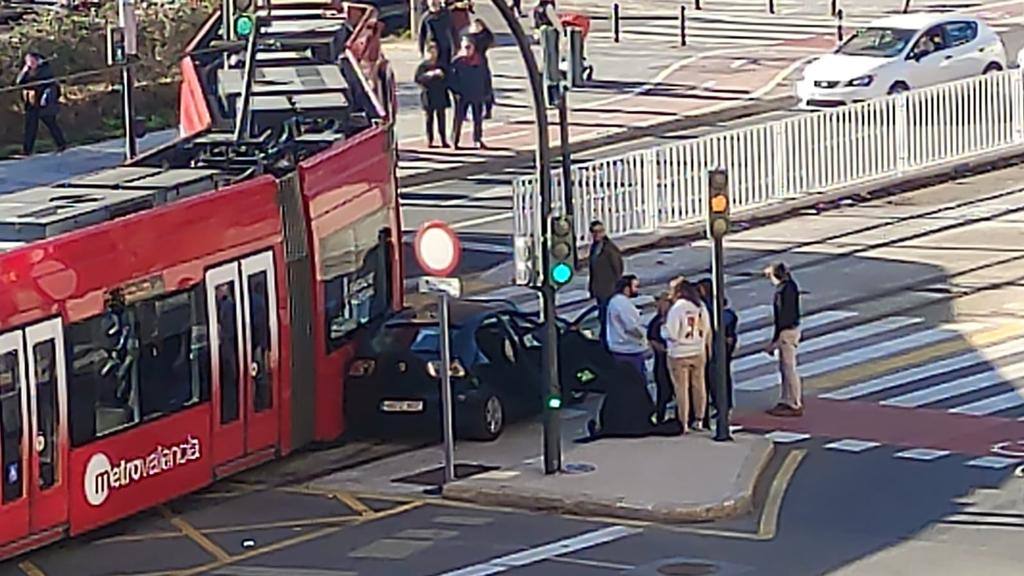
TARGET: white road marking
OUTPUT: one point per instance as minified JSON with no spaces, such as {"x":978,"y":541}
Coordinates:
{"x":923,"y":454}
{"x":831,"y":339}
{"x":783,"y":437}
{"x":546,"y":552}
{"x":865,"y":354}
{"x":993,"y":462}
{"x":850,"y":445}
{"x":482,"y":220}
{"x":921,"y":372}
{"x":957,"y":387}
{"x":992,"y":405}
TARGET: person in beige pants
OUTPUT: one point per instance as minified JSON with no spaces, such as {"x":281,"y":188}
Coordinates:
{"x":687,"y":331}
{"x":786,"y":339}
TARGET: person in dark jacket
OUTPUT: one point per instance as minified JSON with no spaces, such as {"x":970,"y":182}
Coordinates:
{"x":41,"y":97}
{"x":661,"y":375}
{"x":605,"y":267}
{"x":483,"y":39}
{"x":469,"y":82}
{"x":786,"y":305}
{"x":433,"y":80}
{"x":436,"y":27}
{"x":730,"y":321}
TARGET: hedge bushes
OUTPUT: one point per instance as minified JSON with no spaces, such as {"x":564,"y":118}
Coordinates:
{"x":75,"y":42}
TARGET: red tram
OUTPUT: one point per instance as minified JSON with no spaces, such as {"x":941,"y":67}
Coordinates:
{"x":188,"y":315}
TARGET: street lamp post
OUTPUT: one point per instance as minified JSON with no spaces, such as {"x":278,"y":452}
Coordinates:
{"x":549,"y":362}
{"x":126,"y":21}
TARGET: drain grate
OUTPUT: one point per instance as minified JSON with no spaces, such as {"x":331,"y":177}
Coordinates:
{"x":687,"y":569}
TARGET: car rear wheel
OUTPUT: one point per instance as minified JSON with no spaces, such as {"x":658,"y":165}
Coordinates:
{"x":993,"y":67}
{"x":489,"y":420}
{"x":898,"y":88}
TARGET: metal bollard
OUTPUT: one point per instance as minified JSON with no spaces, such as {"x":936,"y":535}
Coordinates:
{"x":771,"y":6}
{"x":834,"y":8}
{"x":906,"y":6}
{"x":682,"y":25}
{"x":696,"y":5}
{"x":839,"y":25}
{"x":616,"y":25}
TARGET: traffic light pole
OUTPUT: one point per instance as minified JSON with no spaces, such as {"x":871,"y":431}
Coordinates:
{"x":721,"y":366}
{"x":549,"y":364}
{"x":563,"y":140}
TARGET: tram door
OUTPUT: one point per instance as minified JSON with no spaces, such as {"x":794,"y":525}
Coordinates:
{"x":241,"y":306}
{"x":33,"y":430}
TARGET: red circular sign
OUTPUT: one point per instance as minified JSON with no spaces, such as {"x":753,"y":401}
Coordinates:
{"x":437,"y":248}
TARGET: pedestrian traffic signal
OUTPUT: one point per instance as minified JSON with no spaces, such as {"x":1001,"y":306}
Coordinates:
{"x":554,"y":83}
{"x":117,"y":53}
{"x":562,"y":240}
{"x":243,"y":26}
{"x":554,"y":402}
{"x":718,"y":203}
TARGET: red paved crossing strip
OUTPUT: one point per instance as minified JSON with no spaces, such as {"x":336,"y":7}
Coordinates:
{"x":909,"y":428}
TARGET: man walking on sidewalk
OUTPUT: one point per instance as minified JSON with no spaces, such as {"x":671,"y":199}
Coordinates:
{"x":787,"y":336}
{"x":41,"y":97}
{"x":626,"y":338}
{"x":605,"y":267}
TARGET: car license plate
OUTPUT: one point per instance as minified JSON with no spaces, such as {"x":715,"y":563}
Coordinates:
{"x":401,"y":406}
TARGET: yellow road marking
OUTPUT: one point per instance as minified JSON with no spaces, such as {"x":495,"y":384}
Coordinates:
{"x":195,"y":535}
{"x":236,"y":528}
{"x":30,"y":569}
{"x":354,"y":503}
{"x":773,"y":505}
{"x":298,"y":539}
{"x":868,"y":370}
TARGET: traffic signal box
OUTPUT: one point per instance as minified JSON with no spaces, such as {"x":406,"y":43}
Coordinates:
{"x":718,"y":203}
{"x":563,"y":251}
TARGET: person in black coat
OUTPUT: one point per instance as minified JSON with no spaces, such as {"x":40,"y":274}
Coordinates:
{"x":436,"y":27}
{"x":469,"y":83}
{"x":483,"y":40}
{"x":41,"y":96}
{"x":433,"y":80}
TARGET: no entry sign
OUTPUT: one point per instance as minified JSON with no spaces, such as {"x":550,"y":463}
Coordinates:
{"x":437,"y":248}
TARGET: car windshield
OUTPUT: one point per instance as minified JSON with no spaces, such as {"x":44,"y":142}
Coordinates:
{"x":422,"y":340}
{"x":877,"y":42}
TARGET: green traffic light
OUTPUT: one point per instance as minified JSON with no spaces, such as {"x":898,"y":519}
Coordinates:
{"x":243,"y":26}
{"x":561,"y":273}
{"x":554,"y":402}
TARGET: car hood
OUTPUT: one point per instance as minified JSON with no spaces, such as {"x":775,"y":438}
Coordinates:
{"x":843,"y":67}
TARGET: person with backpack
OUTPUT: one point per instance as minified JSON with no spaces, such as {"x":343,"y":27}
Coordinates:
{"x":687,"y":331}
{"x":433,"y":80}
{"x":41,"y":98}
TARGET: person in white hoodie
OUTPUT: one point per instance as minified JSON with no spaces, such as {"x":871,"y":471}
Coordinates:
{"x":687,"y":330}
{"x":627,"y":339}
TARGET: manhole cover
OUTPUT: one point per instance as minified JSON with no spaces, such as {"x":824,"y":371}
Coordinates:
{"x":687,"y":569}
{"x":578,"y":468}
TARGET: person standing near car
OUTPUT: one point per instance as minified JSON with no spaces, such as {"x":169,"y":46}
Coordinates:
{"x":436,"y":27}
{"x":786,"y":306}
{"x":433,"y":81}
{"x":660,"y":347}
{"x":41,"y":98}
{"x":605,"y":267}
{"x":627,"y":340}
{"x":688,"y":333}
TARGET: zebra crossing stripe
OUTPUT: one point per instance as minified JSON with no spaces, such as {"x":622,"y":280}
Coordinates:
{"x":752,"y":315}
{"x":864,"y":354}
{"x":956,"y":388}
{"x":991,"y":405}
{"x":993,"y":462}
{"x":761,"y":336}
{"x":923,"y":454}
{"x":902,"y":377}
{"x":850,"y":445}
{"x":831,"y":339}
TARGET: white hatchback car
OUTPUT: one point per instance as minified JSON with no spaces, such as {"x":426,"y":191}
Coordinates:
{"x":898,"y":53}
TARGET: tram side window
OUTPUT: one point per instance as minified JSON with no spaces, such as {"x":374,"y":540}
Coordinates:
{"x":11,"y":426}
{"x":47,"y":415}
{"x":136,"y":362}
{"x":357,"y":263}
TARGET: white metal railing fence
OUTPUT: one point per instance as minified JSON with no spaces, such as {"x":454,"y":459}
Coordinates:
{"x":666,"y":186}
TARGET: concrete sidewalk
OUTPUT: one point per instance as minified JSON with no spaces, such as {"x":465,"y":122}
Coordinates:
{"x":656,"y":479}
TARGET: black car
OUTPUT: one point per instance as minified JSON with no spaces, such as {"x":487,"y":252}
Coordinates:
{"x":393,"y":382}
